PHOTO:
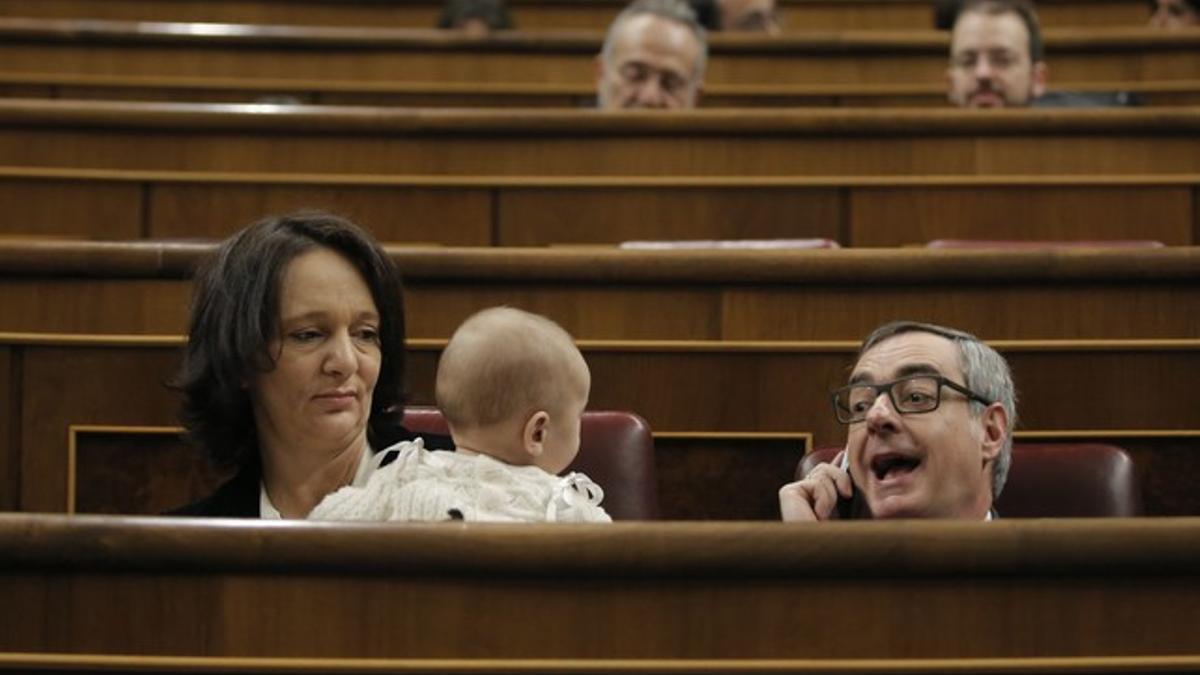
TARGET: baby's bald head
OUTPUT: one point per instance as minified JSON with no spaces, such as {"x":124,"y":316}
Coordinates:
{"x":504,"y":364}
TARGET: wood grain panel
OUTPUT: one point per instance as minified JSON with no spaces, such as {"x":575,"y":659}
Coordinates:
{"x":1196,"y":216}
{"x":798,"y":15}
{"x":10,"y":415}
{"x":468,"y":63}
{"x":90,"y":663}
{"x":457,"y":217}
{"x":302,"y":12}
{"x":705,"y":591}
{"x":542,"y":210}
{"x":66,"y":208}
{"x":66,"y":386}
{"x":411,"y":14}
{"x":724,"y":478}
{"x":522,"y":95}
{"x":129,"y":471}
{"x":691,"y":618}
{"x":112,"y":306}
{"x":896,"y":217}
{"x":298,"y":139}
{"x":588,"y":311}
{"x":142,"y":288}
{"x":1002,"y":311}
{"x":609,"y":215}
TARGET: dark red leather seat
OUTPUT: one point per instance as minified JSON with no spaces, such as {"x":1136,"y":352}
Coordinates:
{"x":616,"y":450}
{"x":1055,"y":480}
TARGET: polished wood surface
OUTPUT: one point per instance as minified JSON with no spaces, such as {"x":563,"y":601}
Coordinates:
{"x":731,"y":419}
{"x":142,"y":288}
{"x":796,"y":15}
{"x":10,"y":427}
{"x":704,"y":597}
{"x":375,"y":54}
{"x":547,"y":210}
{"x":358,"y":140}
{"x":520,"y":95}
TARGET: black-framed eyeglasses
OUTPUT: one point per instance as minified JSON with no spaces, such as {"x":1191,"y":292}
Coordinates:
{"x":909,"y":395}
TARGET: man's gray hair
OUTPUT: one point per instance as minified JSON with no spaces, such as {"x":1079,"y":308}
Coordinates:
{"x":985,"y":372}
{"x":672,"y":10}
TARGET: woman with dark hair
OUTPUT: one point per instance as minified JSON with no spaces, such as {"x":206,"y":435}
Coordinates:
{"x":294,"y":367}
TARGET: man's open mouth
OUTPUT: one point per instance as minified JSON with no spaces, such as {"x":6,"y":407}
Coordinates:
{"x":891,"y":465}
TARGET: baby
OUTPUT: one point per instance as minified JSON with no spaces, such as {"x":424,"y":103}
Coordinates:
{"x":512,"y":386}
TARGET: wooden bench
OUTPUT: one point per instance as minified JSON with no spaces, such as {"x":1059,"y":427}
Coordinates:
{"x":797,"y":15}
{"x":82,"y":593}
{"x":520,"y":95}
{"x":142,"y":288}
{"x":546,"y":210}
{"x":561,"y":57}
{"x":388,"y":141}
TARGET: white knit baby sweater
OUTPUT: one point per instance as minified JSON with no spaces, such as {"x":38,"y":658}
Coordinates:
{"x":422,"y":485}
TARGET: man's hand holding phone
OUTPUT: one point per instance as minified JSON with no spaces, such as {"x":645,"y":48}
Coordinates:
{"x":816,"y":496}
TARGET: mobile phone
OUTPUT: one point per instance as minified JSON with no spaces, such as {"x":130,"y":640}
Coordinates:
{"x":853,"y":507}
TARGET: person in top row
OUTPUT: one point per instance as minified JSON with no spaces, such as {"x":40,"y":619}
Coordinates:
{"x":653,"y":56}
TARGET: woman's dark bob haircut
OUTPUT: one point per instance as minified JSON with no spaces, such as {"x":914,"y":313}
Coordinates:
{"x":235,"y":315}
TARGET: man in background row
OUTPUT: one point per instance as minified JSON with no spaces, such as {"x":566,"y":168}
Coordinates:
{"x":996,"y":55}
{"x":1174,"y":13}
{"x":653,"y":57}
{"x":745,"y":16}
{"x":476,"y":18}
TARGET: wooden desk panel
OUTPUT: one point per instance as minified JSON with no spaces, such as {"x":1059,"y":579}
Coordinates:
{"x":459,"y":216}
{"x":722,"y":394}
{"x":1008,"y":311}
{"x":10,"y":426}
{"x":798,"y":15}
{"x":897,"y":217}
{"x":384,"y":141}
{"x":379,"y":54}
{"x":142,"y":288}
{"x":542,"y":210}
{"x":521,"y":95}
{"x":527,"y":14}
{"x":716,"y":597}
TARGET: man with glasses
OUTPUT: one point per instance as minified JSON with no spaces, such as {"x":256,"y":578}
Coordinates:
{"x":653,"y":57}
{"x":929,"y":413}
{"x":996,"y":55}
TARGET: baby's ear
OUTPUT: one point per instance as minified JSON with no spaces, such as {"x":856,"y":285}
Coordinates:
{"x":533,"y":436}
